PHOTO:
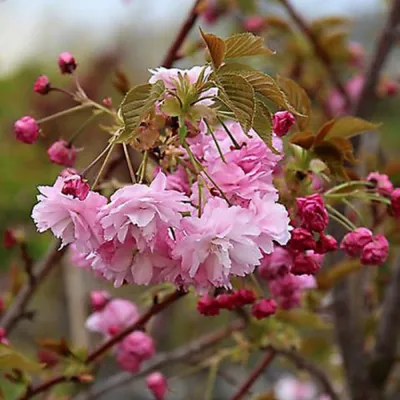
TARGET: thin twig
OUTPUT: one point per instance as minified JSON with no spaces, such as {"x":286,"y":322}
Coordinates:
{"x":28,"y":263}
{"x":318,"y":49}
{"x":255,"y":374}
{"x":17,"y":308}
{"x":129,"y":163}
{"x":173,"y":52}
{"x":181,"y":354}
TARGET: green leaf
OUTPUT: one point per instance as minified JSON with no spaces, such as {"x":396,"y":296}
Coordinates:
{"x":245,"y":45}
{"x":347,"y":127}
{"x":137,"y":104}
{"x":299,"y":99}
{"x":11,"y":359}
{"x":263,"y":125}
{"x":216,"y":48}
{"x":171,"y":107}
{"x":266,"y":86}
{"x":238,"y":95}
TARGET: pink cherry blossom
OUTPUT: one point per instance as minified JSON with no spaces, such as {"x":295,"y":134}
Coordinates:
{"x":264,"y":308}
{"x":62,"y":153}
{"x":353,"y":242}
{"x":139,"y":211}
{"x":127,"y":361}
{"x":276,"y":264}
{"x":382,"y":183}
{"x":70,"y":219}
{"x":282,"y":122}
{"x":117,"y":315}
{"x":78,"y":258}
{"x":376,"y":251}
{"x":157,"y":384}
{"x":312,"y":212}
{"x":139,"y":344}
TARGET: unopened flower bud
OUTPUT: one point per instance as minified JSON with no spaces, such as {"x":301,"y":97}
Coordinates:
{"x":282,"y":121}
{"x":76,"y":186}
{"x":326,"y":244}
{"x":208,"y":306}
{"x":9,"y":239}
{"x":264,"y":308}
{"x":254,"y":24}
{"x":243,"y":297}
{"x":107,"y":102}
{"x":157,"y":384}
{"x":67,"y":63}
{"x":381,"y":182}
{"x":312,"y":211}
{"x":42,"y":85}
{"x":26,"y":130}
{"x":353,"y":242}
{"x":62,"y":153}
{"x":301,"y":240}
{"x":376,"y":251}
{"x":99,"y":299}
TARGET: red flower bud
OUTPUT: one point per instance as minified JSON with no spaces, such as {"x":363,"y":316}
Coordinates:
{"x":67,"y":63}
{"x":243,"y":297}
{"x":226,"y":301}
{"x":208,"y":306}
{"x":306,"y":263}
{"x":9,"y":239}
{"x":26,"y":130}
{"x":353,"y":242}
{"x":107,"y":101}
{"x":282,"y":121}
{"x":326,"y":244}
{"x":395,"y":200}
{"x":376,"y":251}
{"x":62,"y":153}
{"x":301,"y":240}
{"x":76,"y":186}
{"x":42,"y":85}
{"x":264,"y":308}
{"x":99,"y":299}
{"x":312,"y":211}
{"x":157,"y":384}
{"x":254,"y":24}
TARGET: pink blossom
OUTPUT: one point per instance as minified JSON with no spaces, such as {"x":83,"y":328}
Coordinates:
{"x":326,"y":244}
{"x":62,"y":153}
{"x":66,"y":63}
{"x":353,"y":242}
{"x":141,"y":211}
{"x":139,"y":344}
{"x":264,"y":308}
{"x":117,"y":315}
{"x":3,"y":338}
{"x":282,"y":121}
{"x":382,"y":183}
{"x":42,"y":85}
{"x":286,"y":290}
{"x":376,"y":251}
{"x":127,"y":361}
{"x":157,"y":384}
{"x":26,"y":130}
{"x":312,"y":211}
{"x":76,"y":186}
{"x":78,"y":258}
{"x":70,"y":219}
{"x":219,"y":244}
{"x":178,"y":180}
{"x":276,"y":264}
{"x":289,"y":388}
{"x":357,"y":54}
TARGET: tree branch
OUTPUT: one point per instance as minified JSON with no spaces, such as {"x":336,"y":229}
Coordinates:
{"x":173,"y":52}
{"x":318,"y":49}
{"x":384,"y":355}
{"x":182,"y":353}
{"x":39,"y":273}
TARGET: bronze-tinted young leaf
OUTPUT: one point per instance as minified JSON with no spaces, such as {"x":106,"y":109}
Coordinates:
{"x":320,"y":136}
{"x":304,"y":139}
{"x":333,"y":156}
{"x":266,"y":86}
{"x":138,"y":102}
{"x":245,"y":45}
{"x":335,"y":44}
{"x":347,"y":127}
{"x":346,"y":147}
{"x":238,"y":95}
{"x":262,"y":124}
{"x":328,"y":23}
{"x":11,"y":359}
{"x":299,"y":99}
{"x":216,"y":47}
{"x":277,"y":23}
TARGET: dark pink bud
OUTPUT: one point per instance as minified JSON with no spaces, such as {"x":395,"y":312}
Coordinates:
{"x":276,"y":264}
{"x":326,"y":244}
{"x":389,"y":88}
{"x":282,"y":121}
{"x":26,"y":130}
{"x":140,"y":344}
{"x":226,"y":301}
{"x":376,"y":251}
{"x":264,"y":308}
{"x":9,"y":239}
{"x":67,"y":63}
{"x":99,"y":299}
{"x":312,"y":212}
{"x":3,"y":339}
{"x":208,"y":306}
{"x":62,"y":153}
{"x":395,"y":202}
{"x":306,"y":263}
{"x":42,"y":85}
{"x":48,"y":357}
{"x":381,"y":182}
{"x":301,"y":240}
{"x":107,"y":101}
{"x":210,"y":12}
{"x":126,"y":360}
{"x":243,"y":297}
{"x":76,"y":186}
{"x":2,"y":305}
{"x":157,"y":384}
{"x":353,"y":242}
{"x":254,"y":24}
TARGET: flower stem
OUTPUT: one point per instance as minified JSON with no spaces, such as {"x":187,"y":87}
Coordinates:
{"x":129,"y":163}
{"x":96,"y":160}
{"x":64,"y":112}
{"x":221,"y":154}
{"x":103,"y":165}
{"x":82,"y":128}
{"x":228,"y":132}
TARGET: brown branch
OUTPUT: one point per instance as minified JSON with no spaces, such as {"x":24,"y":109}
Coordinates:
{"x":173,"y":52}
{"x":255,"y":374}
{"x":28,"y":263}
{"x":40,"y":271}
{"x":182,"y":353}
{"x":318,"y":49}
{"x":314,"y":371}
{"x":97,"y":353}
{"x":388,"y":332}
